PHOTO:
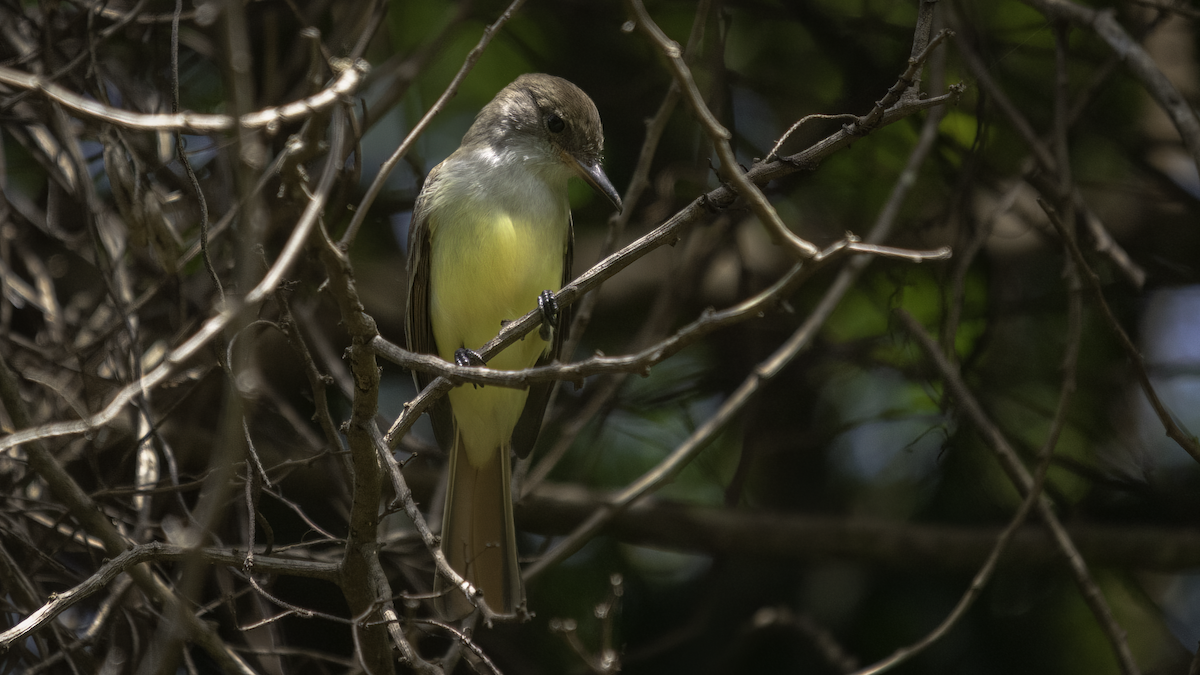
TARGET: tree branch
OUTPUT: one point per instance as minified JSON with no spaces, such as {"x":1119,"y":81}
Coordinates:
{"x":198,"y":340}
{"x":1104,"y":23}
{"x":667,"y":233}
{"x":556,"y":509}
{"x":768,"y":369}
{"x":270,"y":119}
{"x":1024,"y":483}
{"x":364,"y":205}
{"x":159,"y":552}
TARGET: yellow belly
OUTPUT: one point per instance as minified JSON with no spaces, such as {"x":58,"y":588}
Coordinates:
{"x":484,"y":271}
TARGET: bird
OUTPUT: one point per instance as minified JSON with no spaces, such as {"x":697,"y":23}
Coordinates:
{"x":490,"y":240}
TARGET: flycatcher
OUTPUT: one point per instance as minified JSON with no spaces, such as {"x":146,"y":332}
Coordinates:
{"x":491,"y":240}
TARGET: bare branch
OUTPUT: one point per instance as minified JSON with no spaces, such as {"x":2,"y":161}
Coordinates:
{"x":667,"y":233}
{"x":800,"y":339}
{"x":868,"y":122}
{"x":211,"y":328}
{"x":96,"y":523}
{"x":1104,"y":22}
{"x":1024,"y":482}
{"x":640,"y":362}
{"x":1070,"y":365}
{"x":364,"y":205}
{"x":157,"y":552}
{"x":1104,"y":241}
{"x":1185,"y":439}
{"x":720,"y":136}
{"x":404,"y":497}
{"x":555,"y":509}
{"x":347,"y":81}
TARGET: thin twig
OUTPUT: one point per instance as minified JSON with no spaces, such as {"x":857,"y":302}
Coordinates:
{"x":1134,"y":56}
{"x":905,"y":82}
{"x":583,"y":310}
{"x":774,"y":153}
{"x":181,"y":152}
{"x":1104,"y":241}
{"x":719,"y":135}
{"x":211,"y":328}
{"x":462,"y":640}
{"x":1024,"y":483}
{"x":1175,"y":432}
{"x":764,"y":372}
{"x":157,"y":552}
{"x":978,"y":583}
{"x":639,"y":362}
{"x":1070,"y":364}
{"x":347,"y":81}
{"x":404,"y":497}
{"x":96,"y":523}
{"x":385,"y":170}
{"x":668,"y":232}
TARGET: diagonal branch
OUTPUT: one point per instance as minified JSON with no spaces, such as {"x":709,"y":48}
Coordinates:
{"x":768,"y":369}
{"x":385,"y":170}
{"x":719,"y":135}
{"x":639,"y":362}
{"x":1186,"y":440}
{"x":212,"y":328}
{"x":1024,"y":483}
{"x":667,"y":233}
{"x":96,"y":523}
{"x":156,"y":552}
{"x":1104,"y":22}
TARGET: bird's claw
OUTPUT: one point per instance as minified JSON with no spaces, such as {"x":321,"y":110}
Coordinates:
{"x":468,"y":358}
{"x":548,"y":306}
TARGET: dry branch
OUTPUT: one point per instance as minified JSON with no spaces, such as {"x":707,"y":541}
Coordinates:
{"x":350,"y":75}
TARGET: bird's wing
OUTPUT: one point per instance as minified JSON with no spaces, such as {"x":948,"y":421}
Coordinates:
{"x":418,"y":329}
{"x":525,"y":434}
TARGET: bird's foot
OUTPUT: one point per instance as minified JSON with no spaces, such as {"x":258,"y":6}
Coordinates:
{"x":548,"y":306}
{"x":468,"y":358}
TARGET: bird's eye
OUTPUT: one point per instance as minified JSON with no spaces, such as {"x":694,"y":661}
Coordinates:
{"x":555,"y":123}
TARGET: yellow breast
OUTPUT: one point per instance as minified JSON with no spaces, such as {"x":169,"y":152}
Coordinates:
{"x":488,"y":267}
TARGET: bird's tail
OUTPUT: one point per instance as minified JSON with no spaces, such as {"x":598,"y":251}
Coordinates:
{"x":478,"y":535}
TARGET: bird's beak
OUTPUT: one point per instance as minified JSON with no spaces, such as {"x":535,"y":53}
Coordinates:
{"x":594,"y":175}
